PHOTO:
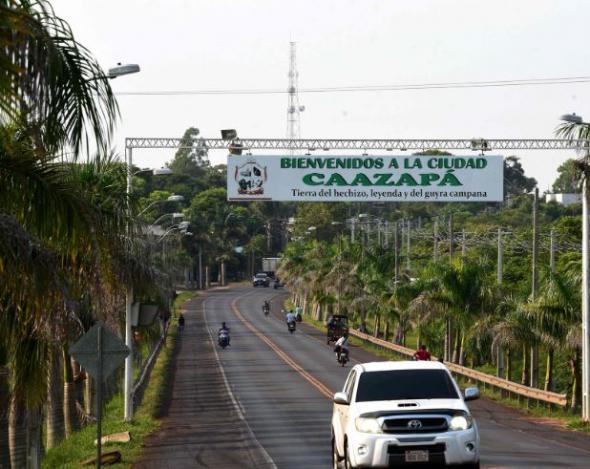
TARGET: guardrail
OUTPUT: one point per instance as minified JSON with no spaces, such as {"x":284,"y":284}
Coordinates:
{"x":484,"y":378}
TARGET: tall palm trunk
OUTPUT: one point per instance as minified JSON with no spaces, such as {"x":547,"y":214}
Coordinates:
{"x":34,"y":444}
{"x":55,"y":409}
{"x":376,"y":326}
{"x":448,"y":340}
{"x":549,"y":370}
{"x":69,"y":406}
{"x":17,"y":434}
{"x":524,"y":379}
{"x":4,"y":410}
{"x":534,"y":366}
{"x":462,"y":350}
{"x":456,"y":345}
{"x":386,"y":331}
{"x":89,"y":393}
{"x":508,"y":364}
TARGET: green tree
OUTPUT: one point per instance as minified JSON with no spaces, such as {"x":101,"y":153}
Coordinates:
{"x":191,"y":158}
{"x":515,"y":181}
{"x":568,"y":179}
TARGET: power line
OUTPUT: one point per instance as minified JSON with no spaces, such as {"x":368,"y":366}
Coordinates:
{"x":365,"y":88}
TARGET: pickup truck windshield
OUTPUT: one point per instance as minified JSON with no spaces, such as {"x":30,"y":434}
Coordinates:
{"x":260,"y":275}
{"x":396,"y":385}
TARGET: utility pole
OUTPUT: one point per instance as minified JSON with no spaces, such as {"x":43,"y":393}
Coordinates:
{"x":552,"y":251}
{"x":386,"y":234}
{"x":534,"y":379}
{"x":408,"y":248}
{"x":352,"y":223}
{"x":450,"y":333}
{"x":500,"y":357}
{"x":451,"y":236}
{"x":396,"y":251}
{"x":435,"y":236}
{"x":201,"y":286}
{"x":585,"y":302}
{"x":500,"y":257}
{"x":463,"y":244}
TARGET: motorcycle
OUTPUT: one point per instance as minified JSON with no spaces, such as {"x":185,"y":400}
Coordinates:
{"x":291,"y":326}
{"x":266,"y":310}
{"x":342,"y":358}
{"x":223,"y":340}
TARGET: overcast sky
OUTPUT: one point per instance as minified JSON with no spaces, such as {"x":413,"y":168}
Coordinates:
{"x":223,"y":44}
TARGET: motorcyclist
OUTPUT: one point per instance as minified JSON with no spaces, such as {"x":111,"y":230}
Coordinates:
{"x":266,"y":307}
{"x":290,"y":317}
{"x":181,"y":322}
{"x":341,"y":346}
{"x":422,"y":353}
{"x":223,"y":332}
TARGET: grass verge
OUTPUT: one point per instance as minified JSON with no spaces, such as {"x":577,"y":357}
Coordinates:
{"x":80,"y":446}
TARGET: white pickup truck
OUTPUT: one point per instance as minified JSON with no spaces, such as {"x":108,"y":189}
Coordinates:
{"x":403,"y":414}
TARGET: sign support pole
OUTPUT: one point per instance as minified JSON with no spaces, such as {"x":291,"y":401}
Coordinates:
{"x":99,"y":400}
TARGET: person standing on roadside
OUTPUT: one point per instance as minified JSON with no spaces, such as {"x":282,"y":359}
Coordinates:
{"x":422,"y":354}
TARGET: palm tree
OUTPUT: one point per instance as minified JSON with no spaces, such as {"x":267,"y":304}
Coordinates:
{"x":50,"y":83}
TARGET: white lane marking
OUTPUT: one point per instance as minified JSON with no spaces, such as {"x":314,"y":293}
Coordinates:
{"x":236,"y":404}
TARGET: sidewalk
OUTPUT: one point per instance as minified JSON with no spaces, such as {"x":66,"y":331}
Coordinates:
{"x":200,"y":427}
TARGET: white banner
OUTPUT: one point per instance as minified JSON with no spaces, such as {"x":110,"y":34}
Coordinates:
{"x":330,"y":178}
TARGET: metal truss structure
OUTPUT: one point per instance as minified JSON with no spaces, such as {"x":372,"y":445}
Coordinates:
{"x":338,"y":144}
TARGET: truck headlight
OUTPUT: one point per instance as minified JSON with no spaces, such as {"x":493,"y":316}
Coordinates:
{"x":367,"y":425}
{"x":460,"y":422}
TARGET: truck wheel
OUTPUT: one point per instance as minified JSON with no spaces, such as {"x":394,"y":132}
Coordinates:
{"x":347,"y":463}
{"x":335,"y":457}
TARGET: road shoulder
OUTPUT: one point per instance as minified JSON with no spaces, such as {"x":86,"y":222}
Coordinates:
{"x":201,"y":424}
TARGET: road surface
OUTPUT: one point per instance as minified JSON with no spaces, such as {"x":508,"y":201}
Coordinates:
{"x":275,"y":387}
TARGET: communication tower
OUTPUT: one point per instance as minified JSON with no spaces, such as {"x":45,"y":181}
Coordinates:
{"x":294,"y":109}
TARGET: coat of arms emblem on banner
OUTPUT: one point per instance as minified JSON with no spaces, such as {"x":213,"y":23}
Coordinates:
{"x":250,"y":177}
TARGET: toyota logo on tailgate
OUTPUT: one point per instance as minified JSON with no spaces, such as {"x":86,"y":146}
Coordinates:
{"x":414,"y":424}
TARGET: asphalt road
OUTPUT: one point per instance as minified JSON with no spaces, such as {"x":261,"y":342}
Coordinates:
{"x":278,"y":387}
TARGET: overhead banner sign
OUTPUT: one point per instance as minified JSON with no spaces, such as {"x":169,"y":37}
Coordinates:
{"x":410,"y":178}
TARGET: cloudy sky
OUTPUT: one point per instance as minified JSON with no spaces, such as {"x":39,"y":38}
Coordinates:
{"x":244,"y":44}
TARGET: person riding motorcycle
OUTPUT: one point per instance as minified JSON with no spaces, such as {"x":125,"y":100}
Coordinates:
{"x":422,"y":353}
{"x":181,"y":322}
{"x":341,"y":346}
{"x":223,"y":332}
{"x":266,"y":307}
{"x":290,"y":318}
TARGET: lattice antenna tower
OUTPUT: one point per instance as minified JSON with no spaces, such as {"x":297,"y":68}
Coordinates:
{"x":294,"y":109}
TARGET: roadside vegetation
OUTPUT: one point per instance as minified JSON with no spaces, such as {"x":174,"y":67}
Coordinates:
{"x":73,"y":241}
{"x":70,"y":452}
{"x":428,"y":274}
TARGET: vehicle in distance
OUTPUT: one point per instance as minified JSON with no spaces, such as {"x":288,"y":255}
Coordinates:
{"x":261,"y":279}
{"x":401,"y":414}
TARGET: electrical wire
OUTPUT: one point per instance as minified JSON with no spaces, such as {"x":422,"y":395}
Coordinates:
{"x":365,"y":88}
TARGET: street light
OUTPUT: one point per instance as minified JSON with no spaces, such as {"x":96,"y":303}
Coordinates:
{"x":172,"y":198}
{"x":128,"y":378}
{"x":121,"y":70}
{"x":577,"y":120}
